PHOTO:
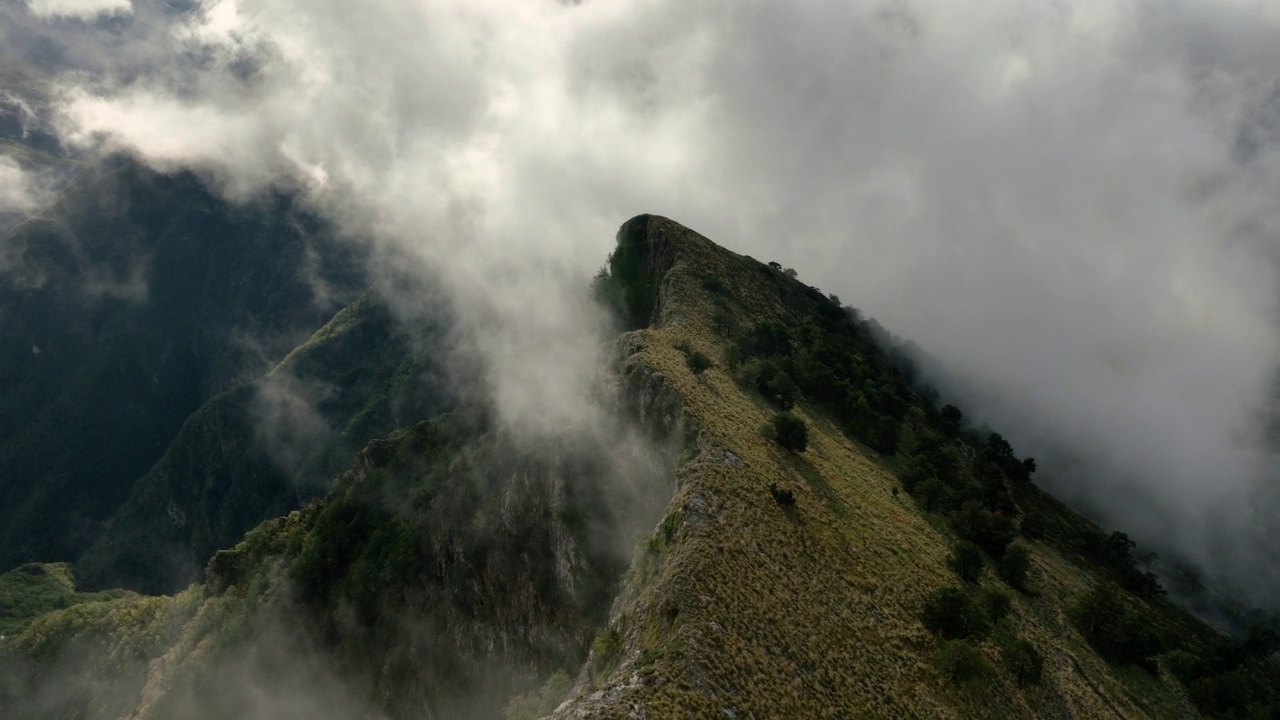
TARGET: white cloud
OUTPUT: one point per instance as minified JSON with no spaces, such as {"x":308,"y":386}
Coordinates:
{"x":20,"y":191}
{"x":84,"y":9}
{"x":1072,"y":204}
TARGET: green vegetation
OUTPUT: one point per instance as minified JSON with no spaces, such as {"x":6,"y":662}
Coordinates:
{"x":961,"y":661}
{"x":1013,"y":566}
{"x":698,"y":362}
{"x":252,"y":452}
{"x":1115,"y":552}
{"x":1024,"y":661}
{"x":996,"y":602}
{"x":631,"y":285}
{"x":788,"y":431}
{"x":35,"y":589}
{"x":1116,"y":631}
{"x":534,"y":705}
{"x":782,"y":496}
{"x":155,"y":297}
{"x":1232,"y":678}
{"x":967,"y":561}
{"x":606,"y":645}
{"x":953,"y":615}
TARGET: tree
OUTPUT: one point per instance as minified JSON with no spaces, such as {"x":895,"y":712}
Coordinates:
{"x":996,"y":602}
{"x":1032,"y":527}
{"x":966,"y":560}
{"x":1028,"y":469}
{"x":885,"y":437}
{"x":932,"y":494}
{"x":1119,"y":635}
{"x":781,"y":390}
{"x":1024,"y":661}
{"x":951,"y":417}
{"x":991,"y":531}
{"x":1261,"y":641}
{"x":953,"y":615}
{"x":788,"y":431}
{"x":697,"y":362}
{"x":998,"y":448}
{"x":960,"y":661}
{"x":1013,"y":566}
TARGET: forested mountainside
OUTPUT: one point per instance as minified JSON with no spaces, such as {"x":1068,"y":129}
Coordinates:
{"x":770,"y":519}
{"x":125,"y":306}
{"x":266,"y":447}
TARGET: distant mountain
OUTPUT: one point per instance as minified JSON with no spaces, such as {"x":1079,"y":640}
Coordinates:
{"x":268,"y":446}
{"x":771,"y":520}
{"x":125,"y":306}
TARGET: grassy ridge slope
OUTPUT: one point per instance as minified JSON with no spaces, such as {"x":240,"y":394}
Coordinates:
{"x":742,"y":607}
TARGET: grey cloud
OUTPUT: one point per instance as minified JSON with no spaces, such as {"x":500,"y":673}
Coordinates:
{"x":87,"y":9}
{"x":1071,"y":204}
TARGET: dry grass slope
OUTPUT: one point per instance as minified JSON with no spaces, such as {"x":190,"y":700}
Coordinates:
{"x":738,"y":607}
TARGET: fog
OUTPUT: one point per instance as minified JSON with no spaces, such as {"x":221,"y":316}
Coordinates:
{"x":1071,"y":206}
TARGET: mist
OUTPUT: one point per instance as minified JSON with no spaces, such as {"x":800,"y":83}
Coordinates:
{"x":1071,"y":206}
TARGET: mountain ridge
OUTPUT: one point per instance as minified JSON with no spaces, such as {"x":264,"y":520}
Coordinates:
{"x":769,"y":582}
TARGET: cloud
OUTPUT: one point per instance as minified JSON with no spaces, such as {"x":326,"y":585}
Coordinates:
{"x":82,"y":9}
{"x":21,"y":191}
{"x":1071,"y":204}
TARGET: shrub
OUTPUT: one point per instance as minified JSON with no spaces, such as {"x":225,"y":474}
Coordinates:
{"x":607,"y":644}
{"x":788,"y":431}
{"x":697,"y":362}
{"x":953,"y":615}
{"x":961,"y":661}
{"x":778,"y":389}
{"x":966,"y":560}
{"x":782,"y":496}
{"x":1024,"y":661}
{"x":996,"y":602}
{"x":1013,"y":566}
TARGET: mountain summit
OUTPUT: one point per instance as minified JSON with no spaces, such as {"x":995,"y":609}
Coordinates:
{"x":780,"y":520}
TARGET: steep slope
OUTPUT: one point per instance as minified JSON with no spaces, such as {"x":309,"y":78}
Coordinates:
{"x":131,"y":301}
{"x":453,"y":566}
{"x":807,"y":601}
{"x":870,"y":571}
{"x":269,"y":446}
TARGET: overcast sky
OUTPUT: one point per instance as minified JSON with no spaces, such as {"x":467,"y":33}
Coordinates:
{"x":1073,"y":205}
